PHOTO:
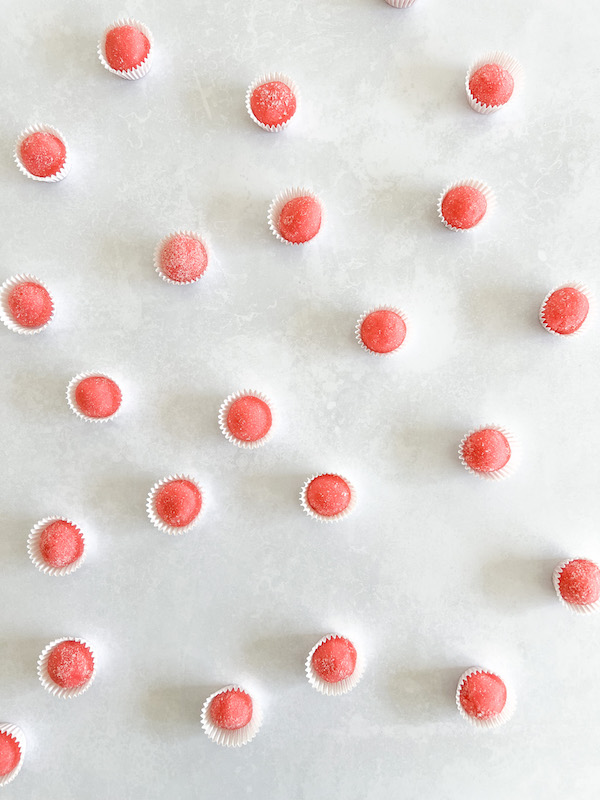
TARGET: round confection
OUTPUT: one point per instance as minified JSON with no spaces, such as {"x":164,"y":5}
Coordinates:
{"x":43,"y":154}
{"x":30,"y":304}
{"x":579,"y":582}
{"x":61,"y":543}
{"x":249,"y":418}
{"x":463,"y":207}
{"x":273,"y":103}
{"x":231,"y":710}
{"x":183,"y":258}
{"x":482,"y":695}
{"x":97,"y":396}
{"x":334,"y":659}
{"x":487,"y":450}
{"x":382,"y":331}
{"x":300,"y":219}
{"x":10,"y":753}
{"x":566,"y":310}
{"x":328,"y":495}
{"x":491,"y":85}
{"x":178,"y":502}
{"x":126,"y":48}
{"x":70,"y":664}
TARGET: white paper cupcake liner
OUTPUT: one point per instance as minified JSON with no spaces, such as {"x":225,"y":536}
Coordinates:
{"x":228,"y":738}
{"x":164,"y":241}
{"x":494,"y":722}
{"x":224,"y":410}
{"x":342,"y":515}
{"x":41,"y":128}
{"x":400,"y":3}
{"x":17,"y":734}
{"x":151,"y":507}
{"x":480,"y":186}
{"x":363,"y":317}
{"x":279,"y":202}
{"x":73,"y":383}
{"x":587,"y":608}
{"x":581,"y":287}
{"x":143,"y":68}
{"x":500,"y":474}
{"x":343,"y":686}
{"x":46,"y":680}
{"x":269,"y":78}
{"x":503,"y":60}
{"x":35,"y":554}
{"x":5,"y":314}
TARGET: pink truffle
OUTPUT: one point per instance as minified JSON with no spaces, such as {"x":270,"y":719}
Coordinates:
{"x":486,"y":451}
{"x":579,"y":582}
{"x":482,"y":695}
{"x":10,"y":753}
{"x":182,"y":258}
{"x":491,"y":85}
{"x":125,"y":48}
{"x":70,"y":664}
{"x":463,"y":207}
{"x":231,"y":709}
{"x":334,"y":659}
{"x":43,"y":154}
{"x":382,"y":331}
{"x":97,"y":397}
{"x":61,"y":544}
{"x":300,"y":219}
{"x":328,"y":495}
{"x":565,"y":310}
{"x":249,"y":419}
{"x":178,"y":502}
{"x":30,"y":304}
{"x":273,"y":103}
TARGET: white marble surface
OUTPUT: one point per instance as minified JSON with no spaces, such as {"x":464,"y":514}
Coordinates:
{"x":437,"y":570}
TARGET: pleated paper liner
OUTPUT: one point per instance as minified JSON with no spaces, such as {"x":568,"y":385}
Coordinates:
{"x":42,"y":128}
{"x":278,"y":204}
{"x":269,"y":78}
{"x":498,"y":719}
{"x":229,"y":738}
{"x":35,"y":554}
{"x":339,"y":687}
{"x":5,"y":314}
{"x":46,"y":680}
{"x":224,"y":410}
{"x":320,"y":517}
{"x":19,"y":737}
{"x":577,"y":608}
{"x":136,"y":72}
{"x":498,"y":474}
{"x":172,"y":530}
{"x":480,"y":186}
{"x":580,"y":287}
{"x":503,"y":60}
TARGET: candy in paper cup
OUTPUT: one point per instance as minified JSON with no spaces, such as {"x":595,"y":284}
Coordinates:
{"x":143,"y":68}
{"x":338,"y":687}
{"x":400,"y":3}
{"x":498,"y":474}
{"x":35,"y":553}
{"x":224,"y":411}
{"x":491,"y":722}
{"x":578,"y":608}
{"x":15,"y":733}
{"x":153,"y":514}
{"x":42,"y":128}
{"x":5,"y":313}
{"x":500,"y":59}
{"x":165,"y":241}
{"x":322,"y":517}
{"x":46,"y":680}
{"x":72,"y":401}
{"x":227,"y":737}
{"x":362,"y":318}
{"x":479,"y":186}
{"x":272,"y":77}
{"x":582,"y":324}
{"x":278,"y":204}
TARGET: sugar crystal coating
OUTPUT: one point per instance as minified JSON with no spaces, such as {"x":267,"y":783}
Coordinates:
{"x":231,"y":710}
{"x":328,"y":495}
{"x":70,"y":664}
{"x":579,"y":582}
{"x":300,"y":219}
{"x":483,"y":695}
{"x":566,"y":310}
{"x":178,"y":502}
{"x":383,"y":331}
{"x":97,"y":397}
{"x":183,"y":258}
{"x":334,"y":659}
{"x":487,"y":450}
{"x":10,"y":753}
{"x":463,"y":207}
{"x":491,"y":85}
{"x":273,"y":103}
{"x":125,"y":48}
{"x":43,"y":154}
{"x":249,"y":418}
{"x":30,"y":304}
{"x":61,"y":544}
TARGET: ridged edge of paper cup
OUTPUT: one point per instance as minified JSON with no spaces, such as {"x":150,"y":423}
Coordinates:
{"x":337,"y":517}
{"x":585,"y":609}
{"x":17,"y":734}
{"x":343,"y":686}
{"x":42,"y":128}
{"x":580,"y":287}
{"x":494,"y":722}
{"x":226,"y":405}
{"x":73,"y":383}
{"x":46,"y":680}
{"x":400,"y":3}
{"x":143,"y":68}
{"x":268,"y":78}
{"x":164,"y":241}
{"x":500,"y":59}
{"x":227,"y":738}
{"x":5,"y":315}
{"x":151,"y":508}
{"x":506,"y":470}
{"x":362,"y":318}
{"x":279,"y":202}
{"x":35,"y":554}
{"x":488,"y":193}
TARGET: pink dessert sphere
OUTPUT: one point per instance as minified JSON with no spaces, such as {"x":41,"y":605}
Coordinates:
{"x":383,"y":331}
{"x":178,"y":502}
{"x":126,"y":48}
{"x":334,"y":659}
{"x":183,"y":258}
{"x":10,"y":753}
{"x":30,"y":304}
{"x":43,"y":154}
{"x":300,"y":219}
{"x":97,"y":397}
{"x":249,"y":418}
{"x":579,"y":582}
{"x":328,"y":495}
{"x":565,"y":310}
{"x":70,"y":664}
{"x":491,"y":85}
{"x":463,"y":207}
{"x":273,"y":103}
{"x":483,"y":695}
{"x":61,"y":544}
{"x":487,"y":450}
{"x":231,"y":710}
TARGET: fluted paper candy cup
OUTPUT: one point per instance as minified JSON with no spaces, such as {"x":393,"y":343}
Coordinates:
{"x":481,"y":188}
{"x":496,"y":474}
{"x":17,"y":735}
{"x":497,"y":719}
{"x":35,"y":553}
{"x":5,"y":312}
{"x":363,"y":317}
{"x":502,"y":60}
{"x":46,"y":680}
{"x":400,"y":3}
{"x":334,"y":687}
{"x":336,"y":517}
{"x":136,"y":72}
{"x":271,"y":78}
{"x":278,"y":205}
{"x":72,"y":399}
{"x":227,"y":737}
{"x":577,"y":608}
{"x":61,"y":173}
{"x":224,"y":411}
{"x":155,"y":517}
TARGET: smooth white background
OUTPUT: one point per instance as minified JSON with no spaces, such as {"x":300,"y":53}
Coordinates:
{"x":437,"y":570}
